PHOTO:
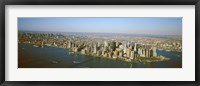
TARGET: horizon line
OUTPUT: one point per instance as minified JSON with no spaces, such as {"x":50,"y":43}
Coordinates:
{"x":99,"y":33}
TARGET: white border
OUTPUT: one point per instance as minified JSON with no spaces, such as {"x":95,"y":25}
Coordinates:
{"x":187,"y":73}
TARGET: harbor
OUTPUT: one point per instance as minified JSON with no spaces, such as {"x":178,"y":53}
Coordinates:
{"x":52,"y":57}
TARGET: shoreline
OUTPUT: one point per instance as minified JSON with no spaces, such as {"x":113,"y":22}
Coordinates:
{"x":139,"y":60}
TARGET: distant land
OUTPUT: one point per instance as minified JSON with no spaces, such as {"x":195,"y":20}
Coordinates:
{"x":124,"y":34}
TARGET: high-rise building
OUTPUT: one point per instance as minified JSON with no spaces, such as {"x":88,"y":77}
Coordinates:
{"x":99,"y":53}
{"x":95,"y":49}
{"x":42,"y":44}
{"x":113,"y":45}
{"x":135,"y":47}
{"x":146,"y":53}
{"x":132,"y":55}
{"x":124,"y":48}
{"x":117,"y":44}
{"x":142,"y":52}
{"x":103,"y":53}
{"x":128,"y":43}
{"x":54,"y":44}
{"x":110,"y":54}
{"x":75,"y":49}
{"x":105,"y":43}
{"x":116,"y":53}
{"x":120,"y":54}
{"x":128,"y":53}
{"x":121,"y":47}
{"x":73,"y":45}
{"x":98,"y":44}
{"x":151,"y":53}
{"x":154,"y":52}
{"x":87,"y":49}
{"x":139,"y":51}
{"x":83,"y":51}
{"x":135,"y":55}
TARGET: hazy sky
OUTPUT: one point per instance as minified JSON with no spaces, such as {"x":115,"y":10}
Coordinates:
{"x":154,"y":26}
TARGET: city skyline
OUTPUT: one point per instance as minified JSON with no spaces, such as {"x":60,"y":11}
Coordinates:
{"x":83,"y":50}
{"x":149,"y":26}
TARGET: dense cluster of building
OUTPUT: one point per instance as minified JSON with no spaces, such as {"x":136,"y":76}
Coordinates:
{"x":127,"y":50}
{"x":168,"y":44}
{"x":112,"y":49}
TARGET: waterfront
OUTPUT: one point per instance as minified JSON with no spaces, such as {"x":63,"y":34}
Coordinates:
{"x":100,"y":42}
{"x":53,"y":57}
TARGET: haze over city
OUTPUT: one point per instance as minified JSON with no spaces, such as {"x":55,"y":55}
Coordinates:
{"x":151,"y":26}
{"x":99,"y":42}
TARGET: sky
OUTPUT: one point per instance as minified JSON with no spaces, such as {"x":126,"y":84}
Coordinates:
{"x":149,"y":26}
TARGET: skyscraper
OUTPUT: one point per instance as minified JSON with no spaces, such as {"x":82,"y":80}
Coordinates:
{"x":151,"y":53}
{"x":146,"y":53}
{"x":98,"y":44}
{"x":142,"y":52}
{"x":135,"y":55}
{"x":132,"y":55}
{"x":139,"y":51}
{"x":135,"y":47}
{"x":121,"y":54}
{"x":117,"y":44}
{"x":110,"y":54}
{"x":116,"y":54}
{"x":95,"y":49}
{"x":154,"y":52}
{"x":124,"y":48}
{"x":83,"y":51}
{"x":113,"y":45}
{"x":105,"y":43}
{"x":99,"y":53}
{"x":69,"y":44}
{"x":128,"y":53}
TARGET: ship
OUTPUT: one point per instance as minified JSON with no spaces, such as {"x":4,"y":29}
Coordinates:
{"x":35,"y":46}
{"x":76,"y":62}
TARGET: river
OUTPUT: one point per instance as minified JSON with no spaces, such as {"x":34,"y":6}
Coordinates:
{"x":51,"y":57}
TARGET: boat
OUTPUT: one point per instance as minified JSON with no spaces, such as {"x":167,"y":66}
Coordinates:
{"x":54,"y":62}
{"x":71,"y":52}
{"x":76,"y":62}
{"x":35,"y":46}
{"x":48,"y":44}
{"x":140,"y":60}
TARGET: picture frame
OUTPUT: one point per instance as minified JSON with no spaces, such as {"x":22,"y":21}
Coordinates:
{"x":99,"y":2}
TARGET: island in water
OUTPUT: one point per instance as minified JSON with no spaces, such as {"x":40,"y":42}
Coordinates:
{"x":99,"y":42}
{"x":113,"y":46}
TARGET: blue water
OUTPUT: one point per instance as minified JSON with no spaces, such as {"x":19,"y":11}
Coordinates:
{"x":51,"y":57}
